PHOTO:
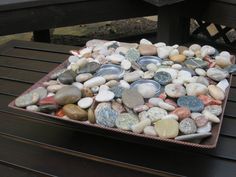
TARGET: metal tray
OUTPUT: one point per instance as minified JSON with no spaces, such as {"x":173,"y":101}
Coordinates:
{"x":114,"y":133}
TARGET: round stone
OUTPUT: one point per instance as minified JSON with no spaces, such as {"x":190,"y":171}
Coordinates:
{"x":147,"y":90}
{"x":106,"y":116}
{"x":85,"y":103}
{"x":126,"y":64}
{"x":78,"y":85}
{"x":131,"y":98}
{"x":75,"y":112}
{"x":104,"y":96}
{"x":167,"y":128}
{"x":187,"y":126}
{"x":214,"y":109}
{"x":191,"y":102}
{"x":205,"y":129}
{"x":33,"y":108}
{"x":117,"y":90}
{"x":201,"y":121}
{"x":132,"y":55}
{"x":126,"y":120}
{"x":67,"y":95}
{"x":96,"y":81}
{"x":200,"y":72}
{"x":68,"y":77}
{"x":155,"y":114}
{"x":150,"y":130}
{"x":27,"y":99}
{"x":163,"y":78}
{"x":147,"y":50}
{"x":178,"y":58}
{"x":182,"y":112}
{"x":175,"y":90}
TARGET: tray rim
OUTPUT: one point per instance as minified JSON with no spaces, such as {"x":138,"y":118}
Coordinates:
{"x":122,"y":132}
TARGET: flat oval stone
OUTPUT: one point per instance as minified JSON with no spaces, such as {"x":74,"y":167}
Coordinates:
{"x":117,"y":107}
{"x":195,"y":63}
{"x":141,"y":108}
{"x":217,"y":74}
{"x":106,"y":116}
{"x":27,"y":99}
{"x":96,"y":81}
{"x":155,"y":114}
{"x":68,"y":77}
{"x":178,"y":58}
{"x":67,"y":95}
{"x":201,"y":121}
{"x":167,"y":128}
{"x":91,"y":116}
{"x":211,"y":117}
{"x":205,"y":129}
{"x":187,"y":126}
{"x":83,"y":77}
{"x":191,"y":102}
{"x":41,"y":91}
{"x":132,"y":76}
{"x":163,"y":77}
{"x":90,"y":67}
{"x":47,"y":100}
{"x":182,"y":112}
{"x":104,"y":96}
{"x":132,"y":55}
{"x":150,"y":130}
{"x":139,"y":127}
{"x":214,"y":109}
{"x":85,"y":103}
{"x":126,"y":120}
{"x":131,"y":98}
{"x":175,"y":90}
{"x":200,"y":72}
{"x":147,"y":50}
{"x":75,"y":112}
{"x":48,"y":108}
{"x":216,"y":92}
{"x":33,"y":108}
{"x":55,"y":88}
{"x":147,"y":90}
{"x":196,"y":89}
{"x":117,"y":90}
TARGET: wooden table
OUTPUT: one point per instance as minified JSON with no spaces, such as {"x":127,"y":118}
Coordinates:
{"x":34,"y":145}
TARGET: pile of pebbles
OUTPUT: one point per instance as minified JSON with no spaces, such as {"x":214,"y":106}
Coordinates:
{"x":166,"y":91}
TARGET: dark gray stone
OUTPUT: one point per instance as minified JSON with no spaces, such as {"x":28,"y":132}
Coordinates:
{"x":163,"y":78}
{"x":68,"y":77}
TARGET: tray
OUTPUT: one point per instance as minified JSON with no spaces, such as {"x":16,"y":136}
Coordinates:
{"x":114,"y":133}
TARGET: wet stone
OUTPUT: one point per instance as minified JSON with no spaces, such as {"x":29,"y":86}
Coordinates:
{"x":191,"y":102}
{"x":163,"y":78}
{"x":126,"y":120}
{"x":106,"y":116}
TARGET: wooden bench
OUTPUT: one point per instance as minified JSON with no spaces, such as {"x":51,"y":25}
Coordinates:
{"x":34,"y":145}
{"x":17,"y":16}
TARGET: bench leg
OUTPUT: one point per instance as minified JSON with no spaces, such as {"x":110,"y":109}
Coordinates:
{"x":172,"y":27}
{"x":42,"y":36}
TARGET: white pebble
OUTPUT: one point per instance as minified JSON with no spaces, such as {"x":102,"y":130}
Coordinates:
{"x":33,"y":108}
{"x":124,"y":84}
{"x":85,"y":103}
{"x":138,"y":128}
{"x":104,"y":96}
{"x":176,"y":66}
{"x":223,"y":84}
{"x":78,"y":85}
{"x":126,"y":64}
{"x":150,"y":130}
{"x":145,"y":41}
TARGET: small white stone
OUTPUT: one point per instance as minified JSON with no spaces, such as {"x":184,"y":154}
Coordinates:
{"x":104,"y":96}
{"x":163,"y":52}
{"x":145,"y":41}
{"x":132,"y":76}
{"x":223,"y":85}
{"x":171,"y":116}
{"x":33,"y":108}
{"x":194,"y":115}
{"x":156,"y":113}
{"x":150,"y":130}
{"x":83,"y":77}
{"x":195,"y":47}
{"x":155,"y":101}
{"x":176,"y":66}
{"x":160,"y":44}
{"x":207,"y":50}
{"x":216,"y":92}
{"x":200,"y":72}
{"x":175,"y":46}
{"x":78,"y":85}
{"x":174,"y":52}
{"x":95,"y":89}
{"x":205,"y":129}
{"x":121,"y":50}
{"x":225,"y":54}
{"x":115,"y":58}
{"x":85,"y":103}
{"x":223,"y":61}
{"x":211,"y":117}
{"x":196,"y":89}
{"x":103,"y":87}
{"x":166,"y":106}
{"x":126,"y":64}
{"x":146,"y":90}
{"x":96,"y":81}
{"x":152,"y":67}
{"x":188,"y":53}
{"x":124,"y":84}
{"x":50,"y":94}
{"x":138,"y":128}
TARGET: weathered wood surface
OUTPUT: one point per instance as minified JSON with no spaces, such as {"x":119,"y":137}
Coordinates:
{"x":34,"y":145}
